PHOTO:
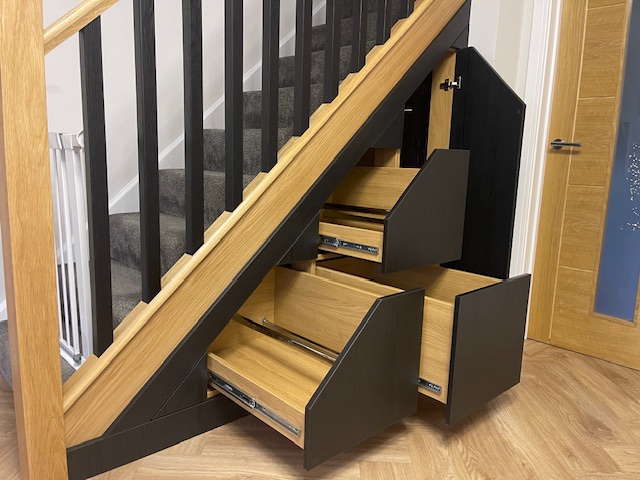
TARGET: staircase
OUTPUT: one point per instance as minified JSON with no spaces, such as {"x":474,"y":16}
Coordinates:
{"x":122,"y":402}
{"x":125,"y":227}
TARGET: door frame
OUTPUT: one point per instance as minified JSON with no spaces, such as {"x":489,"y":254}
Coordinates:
{"x":541,"y":72}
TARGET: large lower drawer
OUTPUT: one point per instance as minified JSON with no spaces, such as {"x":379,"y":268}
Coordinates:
{"x":472,"y":335}
{"x":306,"y":353}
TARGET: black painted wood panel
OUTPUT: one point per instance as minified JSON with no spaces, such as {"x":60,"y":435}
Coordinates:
{"x":425,"y":226}
{"x":233,"y":58}
{"x":487,"y":345}
{"x":332,"y":49}
{"x":385,"y":12}
{"x":302,"y":74}
{"x":359,"y":34}
{"x":270,"y":69}
{"x":95,"y":147}
{"x":306,"y":246}
{"x":488,"y":120}
{"x":193,"y":123}
{"x":147,"y":112}
{"x":393,"y":136}
{"x":372,"y":384}
{"x":109,"y":452}
{"x":416,"y":126}
{"x":192,"y":390}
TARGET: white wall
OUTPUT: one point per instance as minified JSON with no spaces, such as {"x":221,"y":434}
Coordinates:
{"x":501,"y":31}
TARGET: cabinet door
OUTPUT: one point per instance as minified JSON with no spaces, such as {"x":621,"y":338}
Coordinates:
{"x":487,"y":120}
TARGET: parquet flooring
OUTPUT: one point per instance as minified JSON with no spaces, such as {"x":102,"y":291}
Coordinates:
{"x":572,"y":417}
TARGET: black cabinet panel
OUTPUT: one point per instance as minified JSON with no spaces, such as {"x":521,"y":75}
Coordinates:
{"x":487,"y":345}
{"x":488,"y":120}
{"x":372,"y":384}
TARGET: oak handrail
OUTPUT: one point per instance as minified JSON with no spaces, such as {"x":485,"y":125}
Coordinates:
{"x":74,"y":21}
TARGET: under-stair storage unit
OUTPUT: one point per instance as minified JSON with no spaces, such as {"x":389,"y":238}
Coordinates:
{"x":400,"y":217}
{"x":306,"y":355}
{"x":472,"y":333}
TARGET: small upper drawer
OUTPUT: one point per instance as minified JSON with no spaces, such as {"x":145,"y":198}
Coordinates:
{"x":400,"y":218}
{"x":472,"y":332}
{"x":304,"y":351}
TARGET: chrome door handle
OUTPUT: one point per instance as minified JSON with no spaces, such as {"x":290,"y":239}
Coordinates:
{"x":558,"y":144}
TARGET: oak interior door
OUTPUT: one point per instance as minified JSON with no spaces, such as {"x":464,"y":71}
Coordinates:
{"x":585,"y":285}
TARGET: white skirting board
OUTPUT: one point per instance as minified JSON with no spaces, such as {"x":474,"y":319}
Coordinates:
{"x":3,"y":310}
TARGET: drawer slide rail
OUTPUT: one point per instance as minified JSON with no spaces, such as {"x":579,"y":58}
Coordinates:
{"x":251,"y":402}
{"x":339,"y":243}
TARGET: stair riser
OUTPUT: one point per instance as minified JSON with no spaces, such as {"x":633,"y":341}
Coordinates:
{"x":214,"y":149}
{"x":253,"y":106}
{"x":172,"y":194}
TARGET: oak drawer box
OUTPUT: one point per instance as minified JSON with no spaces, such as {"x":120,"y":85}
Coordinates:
{"x":400,"y":217}
{"x":306,"y":352}
{"x":472,"y":333}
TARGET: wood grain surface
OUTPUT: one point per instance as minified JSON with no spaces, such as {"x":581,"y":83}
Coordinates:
{"x":26,"y":215}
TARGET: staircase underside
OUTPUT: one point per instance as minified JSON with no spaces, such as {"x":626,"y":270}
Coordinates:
{"x":163,"y":341}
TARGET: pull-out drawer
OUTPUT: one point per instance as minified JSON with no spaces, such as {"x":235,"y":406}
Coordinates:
{"x":472,"y":335}
{"x":305,"y":355}
{"x":400,"y":217}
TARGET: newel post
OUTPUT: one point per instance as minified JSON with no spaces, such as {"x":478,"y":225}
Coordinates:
{"x":27,"y":240}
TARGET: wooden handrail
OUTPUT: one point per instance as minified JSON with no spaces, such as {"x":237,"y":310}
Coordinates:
{"x":74,"y":21}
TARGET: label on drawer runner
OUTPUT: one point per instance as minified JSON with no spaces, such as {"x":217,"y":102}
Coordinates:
{"x":430,"y":386}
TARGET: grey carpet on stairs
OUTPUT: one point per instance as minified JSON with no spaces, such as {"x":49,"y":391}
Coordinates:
{"x":125,"y":228}
{"x":5,"y":359}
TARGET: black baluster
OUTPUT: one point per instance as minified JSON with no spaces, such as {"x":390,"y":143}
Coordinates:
{"x":193,"y":123}
{"x":270,"y":75}
{"x":95,"y":147}
{"x":332,"y":50}
{"x":233,"y":103}
{"x":383,"y":31}
{"x":359,"y":31}
{"x":147,"y":109}
{"x":302,"y":82}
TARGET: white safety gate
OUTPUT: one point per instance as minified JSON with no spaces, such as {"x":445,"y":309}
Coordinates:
{"x":71,"y":246}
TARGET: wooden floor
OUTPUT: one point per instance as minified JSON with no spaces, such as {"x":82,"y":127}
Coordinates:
{"x":572,"y":417}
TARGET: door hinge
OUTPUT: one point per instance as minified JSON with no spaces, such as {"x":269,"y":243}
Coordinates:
{"x":451,"y":85}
